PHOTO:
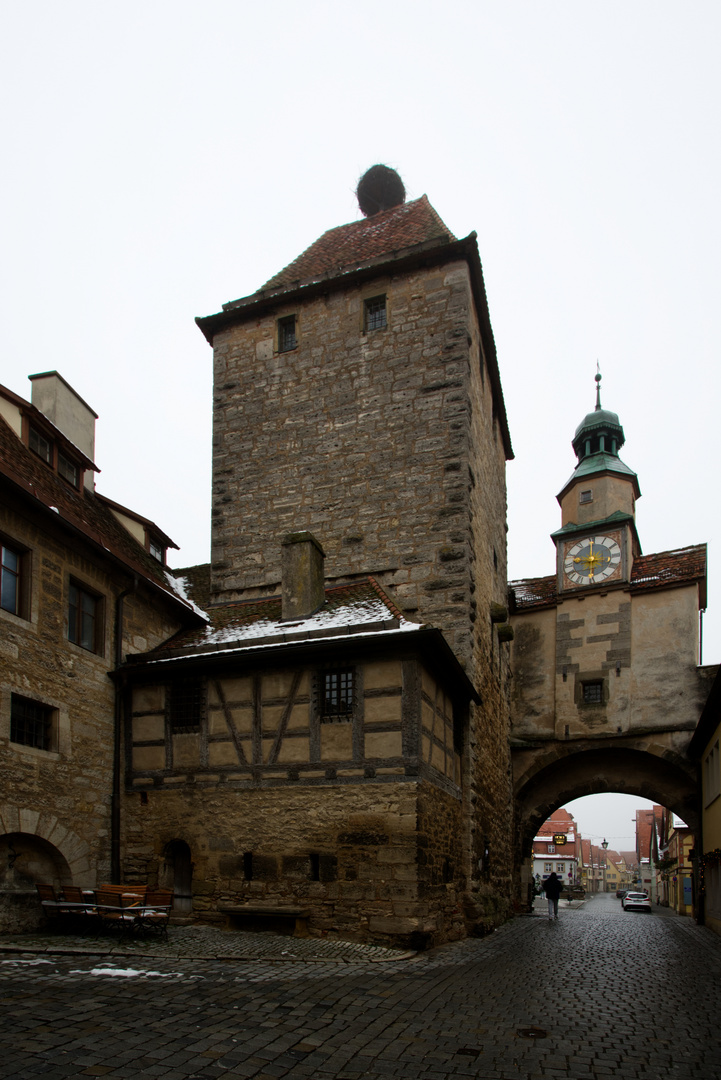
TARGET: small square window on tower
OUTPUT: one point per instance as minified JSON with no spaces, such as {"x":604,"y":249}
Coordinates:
{"x":586,"y":496}
{"x":374,"y":314}
{"x":287,"y":337}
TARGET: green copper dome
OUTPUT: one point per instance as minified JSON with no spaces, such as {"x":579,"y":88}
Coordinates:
{"x":599,"y":432}
{"x":597,"y":441}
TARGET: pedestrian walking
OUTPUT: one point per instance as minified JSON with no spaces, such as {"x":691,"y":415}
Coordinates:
{"x":552,"y":886}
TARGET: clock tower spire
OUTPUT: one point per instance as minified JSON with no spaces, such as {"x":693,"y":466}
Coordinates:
{"x":597,"y":540}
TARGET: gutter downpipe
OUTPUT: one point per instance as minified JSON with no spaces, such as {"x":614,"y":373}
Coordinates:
{"x":117,"y":739}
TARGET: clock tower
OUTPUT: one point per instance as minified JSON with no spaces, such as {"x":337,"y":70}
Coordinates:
{"x":597,"y":541}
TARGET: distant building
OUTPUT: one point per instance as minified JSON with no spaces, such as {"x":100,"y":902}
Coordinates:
{"x":556,"y":849}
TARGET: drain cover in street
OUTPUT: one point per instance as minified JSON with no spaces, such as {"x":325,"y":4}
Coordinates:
{"x":532,"y":1033}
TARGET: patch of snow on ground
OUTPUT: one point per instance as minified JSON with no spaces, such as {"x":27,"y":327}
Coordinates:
{"x":128,"y":973}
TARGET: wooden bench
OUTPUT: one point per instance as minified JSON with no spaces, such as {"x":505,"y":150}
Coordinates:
{"x":279,"y":917}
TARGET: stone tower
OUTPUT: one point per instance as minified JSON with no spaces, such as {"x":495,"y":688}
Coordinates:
{"x":357,"y":396}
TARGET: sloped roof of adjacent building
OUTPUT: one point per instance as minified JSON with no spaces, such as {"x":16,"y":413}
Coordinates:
{"x":662,"y":570}
{"x":80,"y":511}
{"x":356,"y":612}
{"x":359,"y":607}
{"x":350,"y":245}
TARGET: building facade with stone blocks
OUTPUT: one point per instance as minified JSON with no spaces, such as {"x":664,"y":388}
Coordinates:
{"x":356,"y":397}
{"x":79,"y":589}
{"x":607,"y":687}
{"x":312,"y":762}
{"x":705,"y":753}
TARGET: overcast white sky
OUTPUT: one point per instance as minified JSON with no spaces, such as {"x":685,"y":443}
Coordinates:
{"x":162,"y":158}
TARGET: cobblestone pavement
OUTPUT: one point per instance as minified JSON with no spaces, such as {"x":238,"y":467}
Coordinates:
{"x":599,"y":993}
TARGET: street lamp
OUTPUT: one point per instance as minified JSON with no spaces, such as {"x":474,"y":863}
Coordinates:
{"x":604,"y":845}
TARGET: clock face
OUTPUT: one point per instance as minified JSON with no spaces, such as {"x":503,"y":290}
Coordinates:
{"x":592,"y":560}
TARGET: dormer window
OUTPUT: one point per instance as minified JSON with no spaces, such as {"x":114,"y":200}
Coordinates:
{"x":68,"y":470}
{"x":41,"y":446}
{"x":156,"y":549}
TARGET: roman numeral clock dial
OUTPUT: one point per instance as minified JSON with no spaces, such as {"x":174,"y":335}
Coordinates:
{"x":592,"y":560}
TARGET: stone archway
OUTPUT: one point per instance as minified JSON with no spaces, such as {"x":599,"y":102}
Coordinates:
{"x":48,"y":827}
{"x":556,"y":778}
{"x":25,"y":860}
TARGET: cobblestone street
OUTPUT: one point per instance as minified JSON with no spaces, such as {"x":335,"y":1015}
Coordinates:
{"x":599,"y":993}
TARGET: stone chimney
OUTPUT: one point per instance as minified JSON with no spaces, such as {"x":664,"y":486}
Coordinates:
{"x":57,"y":400}
{"x":302,"y":580}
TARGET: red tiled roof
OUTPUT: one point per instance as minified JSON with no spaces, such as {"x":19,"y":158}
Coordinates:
{"x":349,"y":245}
{"x":662,"y":570}
{"x":669,"y":568}
{"x":532,"y":592}
{"x":81,"y":510}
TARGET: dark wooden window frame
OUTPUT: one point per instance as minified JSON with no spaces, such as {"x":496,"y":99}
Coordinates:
{"x":85,"y":617}
{"x":14,"y":578}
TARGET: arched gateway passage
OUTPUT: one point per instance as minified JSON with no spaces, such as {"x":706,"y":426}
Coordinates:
{"x":553,"y":779}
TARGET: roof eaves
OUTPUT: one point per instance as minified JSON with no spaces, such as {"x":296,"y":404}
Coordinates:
{"x":428,"y":253}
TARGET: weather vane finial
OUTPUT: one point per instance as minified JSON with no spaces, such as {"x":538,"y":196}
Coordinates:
{"x":598,"y":385}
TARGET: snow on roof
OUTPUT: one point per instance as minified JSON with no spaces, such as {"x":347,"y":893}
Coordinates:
{"x":358,"y":608}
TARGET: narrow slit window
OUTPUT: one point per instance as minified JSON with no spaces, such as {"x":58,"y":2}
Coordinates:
{"x":10,"y":580}
{"x":287,"y":336}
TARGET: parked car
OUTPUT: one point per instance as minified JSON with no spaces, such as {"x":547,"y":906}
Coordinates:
{"x":637,"y":901}
{"x":620,"y":893}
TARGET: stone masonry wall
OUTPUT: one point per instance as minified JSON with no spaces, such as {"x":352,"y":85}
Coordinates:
{"x":361,"y":438}
{"x":387,"y":447}
{"x":349,"y":853}
{"x":59,"y":799}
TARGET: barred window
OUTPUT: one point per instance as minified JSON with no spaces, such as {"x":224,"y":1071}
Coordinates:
{"x":287,"y":337}
{"x":374,"y":311}
{"x":186,"y":705}
{"x":593,"y":693}
{"x":32,"y":723}
{"x":337,"y":694}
